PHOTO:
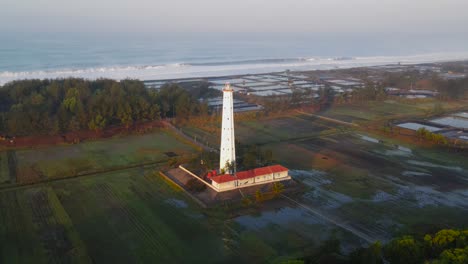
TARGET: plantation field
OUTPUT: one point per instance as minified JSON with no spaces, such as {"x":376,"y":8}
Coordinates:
{"x":203,"y":136}
{"x":266,"y":131}
{"x":280,"y":129}
{"x":125,"y":217}
{"x":134,"y":216}
{"x":377,"y":188}
{"x":35,"y":165}
{"x":375,"y":185}
{"x":4,"y":170}
{"x":357,"y":187}
{"x":369,"y":111}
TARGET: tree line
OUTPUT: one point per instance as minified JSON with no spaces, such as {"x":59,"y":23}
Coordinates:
{"x":51,"y":107}
{"x":447,"y":246}
{"x":424,"y":134}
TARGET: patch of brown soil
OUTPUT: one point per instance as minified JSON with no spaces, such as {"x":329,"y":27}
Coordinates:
{"x":78,"y":136}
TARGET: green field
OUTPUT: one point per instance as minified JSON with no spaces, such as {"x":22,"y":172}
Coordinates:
{"x":4,"y":170}
{"x":374,"y":184}
{"x":376,"y":110}
{"x":70,"y":160}
{"x":354,"y":183}
{"x":135,"y":216}
{"x":126,"y":217}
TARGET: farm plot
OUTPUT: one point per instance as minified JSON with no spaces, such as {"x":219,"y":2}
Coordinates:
{"x":286,"y":233}
{"x":36,"y":229}
{"x":66,"y":161}
{"x":203,"y":136}
{"x":4,"y":170}
{"x":280,"y":129}
{"x":18,"y":240}
{"x":128,"y":219}
{"x":372,"y":111}
{"x":389,"y":218}
{"x":378,"y":189}
{"x":57,"y":235}
{"x":120,"y":217}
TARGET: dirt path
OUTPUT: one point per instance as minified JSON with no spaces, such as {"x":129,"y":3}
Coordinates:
{"x":333,"y":221}
{"x":182,"y":134}
{"x":329,"y":119}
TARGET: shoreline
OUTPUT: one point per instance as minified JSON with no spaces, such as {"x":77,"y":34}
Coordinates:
{"x":181,"y":71}
{"x":230,"y":76}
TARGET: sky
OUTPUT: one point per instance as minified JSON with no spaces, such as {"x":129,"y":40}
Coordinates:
{"x":412,"y":17}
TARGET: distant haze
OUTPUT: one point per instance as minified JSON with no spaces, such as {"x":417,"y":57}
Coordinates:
{"x":445,"y":17}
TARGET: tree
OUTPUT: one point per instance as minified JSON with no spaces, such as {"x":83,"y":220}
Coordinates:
{"x":371,"y":255}
{"x":258,"y":196}
{"x":405,"y":250}
{"x":124,"y":113}
{"x":97,"y":123}
{"x":74,"y":124}
{"x":33,"y":107}
{"x":453,"y":256}
{"x":229,"y":167}
{"x":246,"y":201}
{"x":277,"y":188}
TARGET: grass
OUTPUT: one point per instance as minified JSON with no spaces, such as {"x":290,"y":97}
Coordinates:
{"x":202,"y":136}
{"x":57,"y":234}
{"x":356,"y":182}
{"x":369,"y":111}
{"x":4,"y":170}
{"x":120,"y":217}
{"x":65,"y":161}
{"x":130,"y":216}
{"x":134,"y":211}
{"x":433,"y":153}
{"x":403,"y":218}
{"x":18,"y":239}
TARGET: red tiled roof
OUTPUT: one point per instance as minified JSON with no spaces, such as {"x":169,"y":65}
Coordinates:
{"x":223,"y":178}
{"x":262,"y":171}
{"x":278,"y":168}
{"x":241,"y":175}
{"x":245,"y":174}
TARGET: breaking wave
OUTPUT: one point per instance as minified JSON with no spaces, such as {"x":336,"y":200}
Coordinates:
{"x":207,"y":69}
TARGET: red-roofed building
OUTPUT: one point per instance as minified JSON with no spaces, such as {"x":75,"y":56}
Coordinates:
{"x":251,"y":177}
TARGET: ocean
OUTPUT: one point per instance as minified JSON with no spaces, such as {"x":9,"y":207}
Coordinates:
{"x":166,"y":56}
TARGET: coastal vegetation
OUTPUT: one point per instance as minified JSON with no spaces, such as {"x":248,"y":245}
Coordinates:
{"x":51,"y":107}
{"x":445,"y":246}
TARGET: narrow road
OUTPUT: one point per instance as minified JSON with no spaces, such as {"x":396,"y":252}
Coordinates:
{"x":182,"y":134}
{"x":333,"y":221}
{"x":328,"y":119}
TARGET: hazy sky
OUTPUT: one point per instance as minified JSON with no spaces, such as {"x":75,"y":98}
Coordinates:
{"x":305,"y":16}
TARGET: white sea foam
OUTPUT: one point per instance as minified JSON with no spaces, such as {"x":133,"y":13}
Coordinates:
{"x":182,"y":70}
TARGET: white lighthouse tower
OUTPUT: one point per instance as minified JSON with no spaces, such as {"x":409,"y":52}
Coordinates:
{"x":228,"y":148}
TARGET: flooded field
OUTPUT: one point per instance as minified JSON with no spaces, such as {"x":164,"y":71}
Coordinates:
{"x":359,"y":187}
{"x":366,"y":187}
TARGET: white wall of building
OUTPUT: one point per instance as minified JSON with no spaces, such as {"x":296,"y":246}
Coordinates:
{"x":225,"y":185}
{"x":270,"y":177}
